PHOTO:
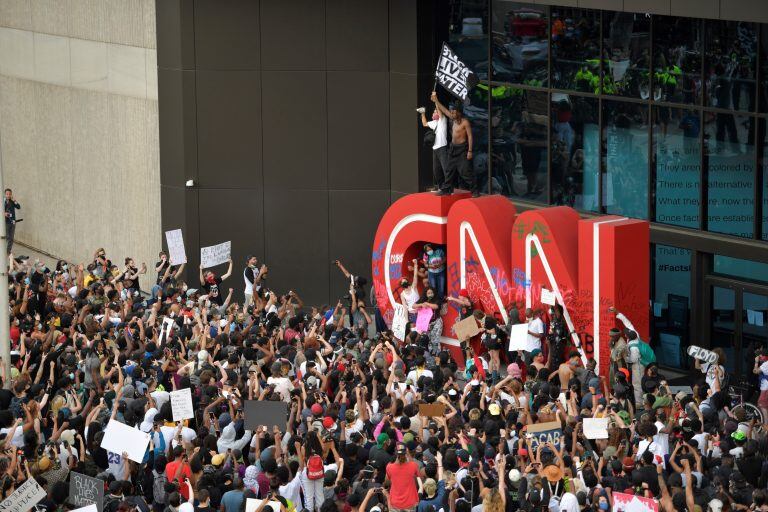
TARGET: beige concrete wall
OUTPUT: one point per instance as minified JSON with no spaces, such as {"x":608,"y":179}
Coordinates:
{"x":79,"y":125}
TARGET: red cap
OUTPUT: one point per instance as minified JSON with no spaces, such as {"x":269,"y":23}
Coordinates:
{"x":628,"y":463}
{"x":328,"y":423}
{"x":464,"y":293}
{"x":317,"y":409}
{"x":625,"y":372}
{"x":341,"y":367}
{"x":522,"y":452}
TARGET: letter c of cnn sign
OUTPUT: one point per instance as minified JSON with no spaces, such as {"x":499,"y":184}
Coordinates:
{"x":504,"y":258}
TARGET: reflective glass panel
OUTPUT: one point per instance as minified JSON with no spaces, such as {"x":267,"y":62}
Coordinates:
{"x":575,"y":151}
{"x":671,"y":275}
{"x":763,"y":89}
{"x":723,"y":323}
{"x":764,"y":170}
{"x":468,"y":27}
{"x":730,"y":64}
{"x":745,"y":269}
{"x":730,"y":179}
{"x":520,"y":42}
{"x":626,"y":54}
{"x":576,"y":49}
{"x":677,"y":152}
{"x":520,"y":144}
{"x":625,"y":138}
{"x":677,"y":59}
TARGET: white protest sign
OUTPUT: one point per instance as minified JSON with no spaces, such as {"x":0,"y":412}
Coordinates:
{"x":252,"y":504}
{"x":596,"y":428}
{"x":119,"y":438}
{"x":181,"y":404}
{"x":630,"y":503}
{"x":518,"y":339}
{"x":24,"y":498}
{"x":702,"y":354}
{"x":176,"y":251}
{"x":548,"y":297}
{"x":90,"y":508}
{"x":399,"y":321}
{"x":215,"y":254}
{"x":165,"y":330}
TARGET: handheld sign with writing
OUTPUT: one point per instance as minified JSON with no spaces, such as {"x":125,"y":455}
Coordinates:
{"x":85,"y":490}
{"x":702,"y":354}
{"x":265,"y":412}
{"x":176,"y":251}
{"x":215,"y":254}
{"x":548,"y":297}
{"x":399,"y":321}
{"x":252,"y":504}
{"x":181,"y":404}
{"x":24,"y":497}
{"x":549,"y":432}
{"x":119,"y":438}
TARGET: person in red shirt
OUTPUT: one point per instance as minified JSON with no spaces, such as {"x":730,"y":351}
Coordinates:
{"x":178,"y":470}
{"x":403,"y":475}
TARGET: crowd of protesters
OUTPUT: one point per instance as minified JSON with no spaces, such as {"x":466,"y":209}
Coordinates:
{"x":88,"y":347}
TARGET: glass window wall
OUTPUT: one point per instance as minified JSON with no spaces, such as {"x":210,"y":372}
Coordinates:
{"x":626,"y":54}
{"x":520,"y":43}
{"x":576,"y":49}
{"x":625,"y":147}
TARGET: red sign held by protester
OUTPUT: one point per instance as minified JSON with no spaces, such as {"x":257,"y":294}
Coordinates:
{"x":504,"y":259}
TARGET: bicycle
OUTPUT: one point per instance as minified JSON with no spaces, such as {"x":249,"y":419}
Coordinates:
{"x":738,"y":394}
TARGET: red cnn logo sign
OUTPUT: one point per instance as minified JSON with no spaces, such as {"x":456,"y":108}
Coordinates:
{"x":501,"y":257}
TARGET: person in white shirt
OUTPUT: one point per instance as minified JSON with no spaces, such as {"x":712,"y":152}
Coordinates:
{"x":410,"y":294}
{"x":761,"y":370}
{"x":439,"y":125}
{"x":252,"y":276}
{"x":535,"y":332}
{"x":633,"y":355}
{"x":714,"y":372}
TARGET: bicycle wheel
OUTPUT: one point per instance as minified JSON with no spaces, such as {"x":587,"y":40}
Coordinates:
{"x":751,"y":412}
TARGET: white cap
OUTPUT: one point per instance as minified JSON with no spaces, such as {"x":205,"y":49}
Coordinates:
{"x":514,"y":475}
{"x":715,"y":506}
{"x":202,"y":355}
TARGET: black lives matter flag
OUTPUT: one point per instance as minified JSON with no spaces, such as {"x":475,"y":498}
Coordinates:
{"x":453,"y":74}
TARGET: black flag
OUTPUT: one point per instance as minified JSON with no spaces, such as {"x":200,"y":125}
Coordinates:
{"x":453,"y":74}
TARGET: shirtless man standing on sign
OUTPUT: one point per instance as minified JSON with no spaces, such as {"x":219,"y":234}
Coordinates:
{"x":460,"y":152}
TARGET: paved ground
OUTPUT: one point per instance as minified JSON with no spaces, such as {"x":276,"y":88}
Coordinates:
{"x":22,"y":250}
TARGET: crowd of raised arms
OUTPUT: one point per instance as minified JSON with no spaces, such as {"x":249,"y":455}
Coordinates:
{"x":99,"y":342}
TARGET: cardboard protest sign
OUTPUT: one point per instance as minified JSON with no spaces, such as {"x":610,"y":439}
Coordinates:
{"x":422,"y":319}
{"x":119,"y":438}
{"x":432,"y":410}
{"x":466,"y":328}
{"x":85,"y":490}
{"x":630,"y":503}
{"x":549,"y":432}
{"x":399,"y":321}
{"x":176,"y":251}
{"x":265,"y":412}
{"x":702,"y":354}
{"x":165,"y":330}
{"x":519,"y":339}
{"x":453,"y":74}
{"x":24,"y":498}
{"x":215,"y":254}
{"x":596,"y":428}
{"x":181,"y":404}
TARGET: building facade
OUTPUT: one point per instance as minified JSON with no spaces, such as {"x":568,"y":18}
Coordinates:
{"x":295,"y":121}
{"x":632,"y":111}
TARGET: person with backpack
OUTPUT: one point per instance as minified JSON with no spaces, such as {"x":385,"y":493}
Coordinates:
{"x":639,"y":355}
{"x":314,"y":473}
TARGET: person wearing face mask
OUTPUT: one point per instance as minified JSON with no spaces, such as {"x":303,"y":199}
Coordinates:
{"x":434,"y":260}
{"x":210,"y":282}
{"x":409,"y":295}
{"x":439,"y":126}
